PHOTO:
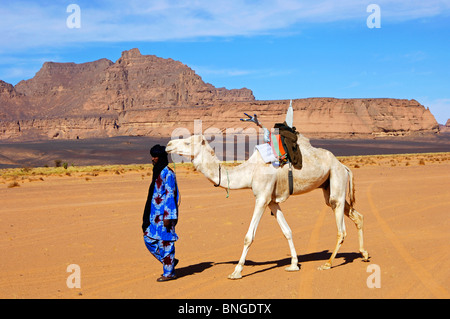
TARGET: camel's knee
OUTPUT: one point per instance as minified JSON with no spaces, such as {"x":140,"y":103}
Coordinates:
{"x":340,"y":237}
{"x":248,"y":239}
{"x":287,"y":234}
{"x":334,"y":203}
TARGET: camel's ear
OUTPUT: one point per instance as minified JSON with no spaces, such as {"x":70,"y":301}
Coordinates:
{"x":203,"y":139}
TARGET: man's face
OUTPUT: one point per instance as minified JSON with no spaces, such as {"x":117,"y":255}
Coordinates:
{"x":155,"y":160}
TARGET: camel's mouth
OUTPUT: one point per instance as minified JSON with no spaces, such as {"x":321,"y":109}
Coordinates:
{"x":169,"y":149}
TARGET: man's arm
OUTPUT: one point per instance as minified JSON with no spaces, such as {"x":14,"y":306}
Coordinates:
{"x":170,"y":203}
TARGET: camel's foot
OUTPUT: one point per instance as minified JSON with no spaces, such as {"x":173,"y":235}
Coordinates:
{"x":292,"y":268}
{"x":237,"y":272}
{"x":235,"y":275}
{"x":365,"y":255}
{"x":325,"y":266}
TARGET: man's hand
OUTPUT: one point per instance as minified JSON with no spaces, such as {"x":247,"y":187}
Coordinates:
{"x":169,"y":223}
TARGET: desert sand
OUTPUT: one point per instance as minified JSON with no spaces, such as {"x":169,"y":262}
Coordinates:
{"x":94,"y":221}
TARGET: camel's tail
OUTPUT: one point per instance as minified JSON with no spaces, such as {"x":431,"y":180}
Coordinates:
{"x":351,"y":190}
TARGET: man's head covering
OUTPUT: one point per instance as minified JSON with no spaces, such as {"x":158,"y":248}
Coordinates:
{"x":163,"y":159}
{"x":158,"y":151}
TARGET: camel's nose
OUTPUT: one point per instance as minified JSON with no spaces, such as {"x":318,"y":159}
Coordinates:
{"x":169,"y":147}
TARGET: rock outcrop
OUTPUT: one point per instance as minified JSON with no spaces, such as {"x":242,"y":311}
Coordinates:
{"x":445,"y":128}
{"x":151,"y":96}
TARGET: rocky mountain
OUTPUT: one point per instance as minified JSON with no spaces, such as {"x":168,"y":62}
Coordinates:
{"x":102,"y":87}
{"x":147,"y":95}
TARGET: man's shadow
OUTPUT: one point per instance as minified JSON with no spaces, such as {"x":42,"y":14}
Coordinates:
{"x":193,"y":269}
{"x":317,"y":256}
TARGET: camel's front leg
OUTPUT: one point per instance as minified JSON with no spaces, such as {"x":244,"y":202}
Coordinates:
{"x":260,"y":206}
{"x":276,"y":211}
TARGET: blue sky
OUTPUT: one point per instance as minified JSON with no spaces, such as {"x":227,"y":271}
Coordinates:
{"x":283,"y":49}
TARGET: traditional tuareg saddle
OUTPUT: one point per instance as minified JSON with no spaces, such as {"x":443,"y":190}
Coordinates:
{"x":284,"y":145}
{"x":286,"y":139}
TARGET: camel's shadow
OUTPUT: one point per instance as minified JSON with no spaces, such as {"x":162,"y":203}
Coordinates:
{"x":317,"y":256}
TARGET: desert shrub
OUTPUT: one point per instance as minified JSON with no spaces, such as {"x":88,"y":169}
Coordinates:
{"x":13,"y":184}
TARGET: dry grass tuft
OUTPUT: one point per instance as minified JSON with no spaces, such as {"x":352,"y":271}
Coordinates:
{"x":27,"y":174}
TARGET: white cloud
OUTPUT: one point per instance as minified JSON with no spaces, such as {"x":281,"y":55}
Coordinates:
{"x":16,"y":73}
{"x":218,"y":72}
{"x":27,"y":24}
{"x":214,"y":72}
{"x":415,"y":56}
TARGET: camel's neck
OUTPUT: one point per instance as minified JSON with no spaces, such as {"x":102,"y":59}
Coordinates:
{"x":233,"y":177}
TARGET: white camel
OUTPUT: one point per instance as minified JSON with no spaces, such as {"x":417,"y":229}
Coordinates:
{"x":321,"y":169}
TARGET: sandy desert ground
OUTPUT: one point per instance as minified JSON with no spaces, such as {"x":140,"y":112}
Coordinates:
{"x":93,"y":220}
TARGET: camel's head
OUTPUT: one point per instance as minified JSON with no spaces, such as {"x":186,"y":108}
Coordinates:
{"x":189,"y":147}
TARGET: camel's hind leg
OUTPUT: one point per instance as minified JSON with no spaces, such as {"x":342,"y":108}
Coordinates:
{"x":354,"y":215}
{"x":276,"y":211}
{"x":358,"y":219}
{"x":338,"y":208}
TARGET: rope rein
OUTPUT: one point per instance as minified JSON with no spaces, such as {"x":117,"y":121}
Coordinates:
{"x":217,"y":185}
{"x":228,"y":180}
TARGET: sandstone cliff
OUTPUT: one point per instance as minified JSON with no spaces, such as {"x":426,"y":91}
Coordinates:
{"x":152,"y":96}
{"x":314,"y":117}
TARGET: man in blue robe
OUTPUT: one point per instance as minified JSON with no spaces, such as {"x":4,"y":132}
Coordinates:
{"x":161,"y":213}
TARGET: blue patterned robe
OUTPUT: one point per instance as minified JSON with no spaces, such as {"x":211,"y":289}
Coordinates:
{"x":164,"y":205}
